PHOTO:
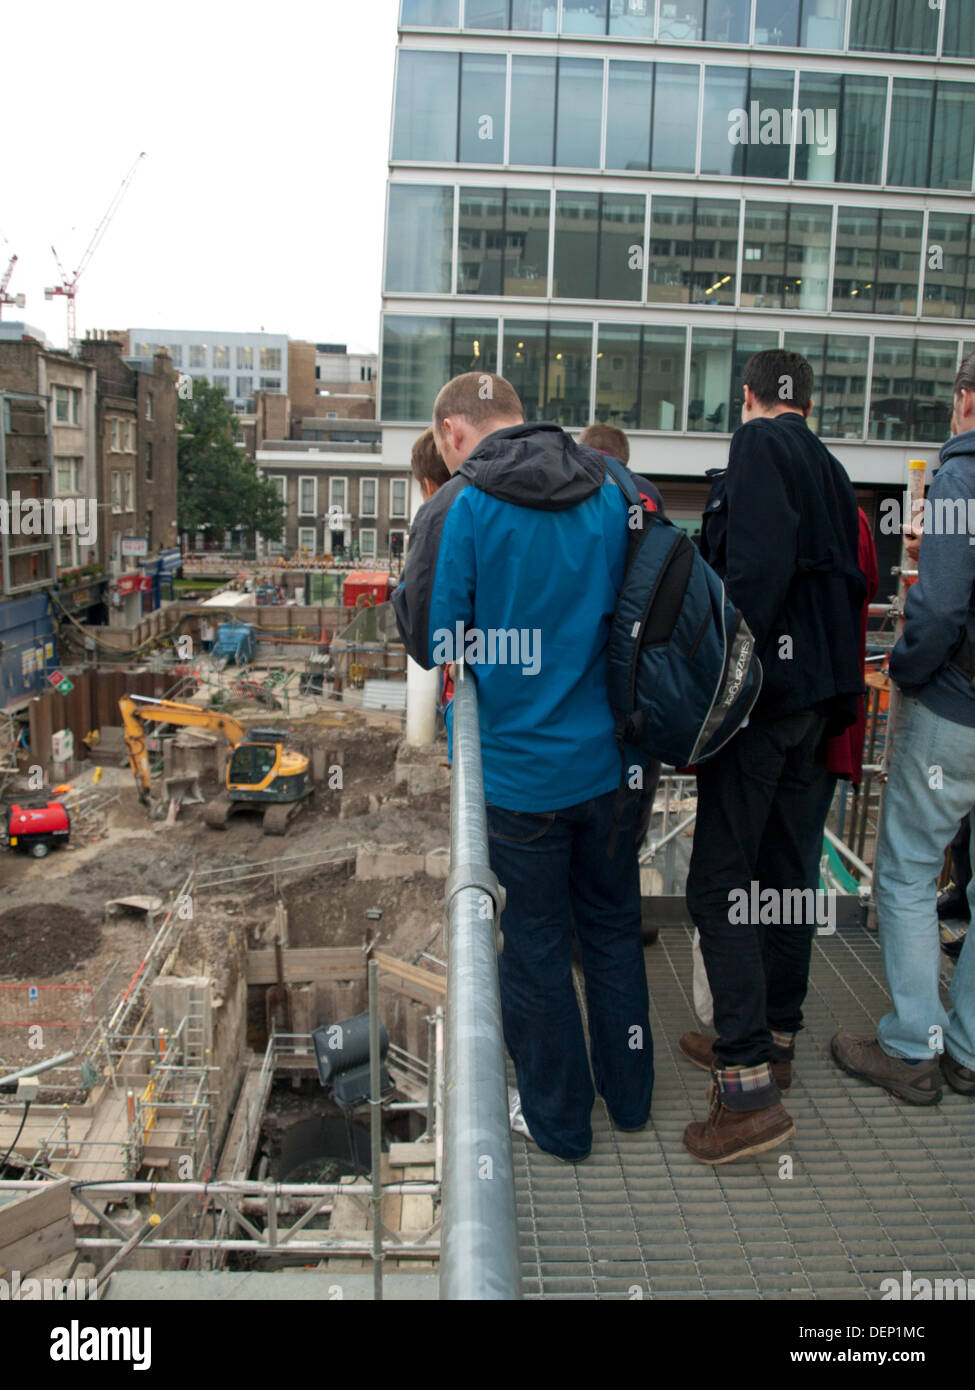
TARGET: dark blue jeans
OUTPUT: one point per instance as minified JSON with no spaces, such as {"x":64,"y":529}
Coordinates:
{"x":558,"y":876}
{"x":761,"y":803}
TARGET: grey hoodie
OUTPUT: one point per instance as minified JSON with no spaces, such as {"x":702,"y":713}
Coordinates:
{"x":940,"y":607}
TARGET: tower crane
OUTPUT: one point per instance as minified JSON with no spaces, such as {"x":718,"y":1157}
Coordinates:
{"x":5,"y":298}
{"x":69,"y":284}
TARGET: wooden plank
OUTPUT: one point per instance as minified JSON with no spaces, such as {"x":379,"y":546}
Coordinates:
{"x":306,"y":965}
{"x":401,"y":1155}
{"x":40,"y":1247}
{"x":412,"y":974}
{"x":31,"y":1213}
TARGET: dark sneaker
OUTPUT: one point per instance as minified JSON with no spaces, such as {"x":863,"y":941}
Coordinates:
{"x":951,"y":945}
{"x":953,"y":905}
{"x":959,"y":1078}
{"x":727,"y":1135}
{"x":865,"y":1059}
{"x":699,"y":1049}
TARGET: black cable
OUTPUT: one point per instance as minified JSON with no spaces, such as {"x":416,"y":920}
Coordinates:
{"x":23,"y":1121}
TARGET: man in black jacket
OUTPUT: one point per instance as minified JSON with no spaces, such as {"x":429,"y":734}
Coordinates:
{"x":781,"y":528}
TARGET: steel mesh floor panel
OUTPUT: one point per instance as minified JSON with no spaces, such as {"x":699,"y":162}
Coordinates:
{"x":877,"y":1186}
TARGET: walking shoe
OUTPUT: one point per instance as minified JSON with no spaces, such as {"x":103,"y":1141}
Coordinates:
{"x":951,"y":945}
{"x":864,"y":1058}
{"x":959,"y":1078}
{"x":515,"y":1118}
{"x":953,"y":904}
{"x":699,"y":1049}
{"x":727,"y":1135}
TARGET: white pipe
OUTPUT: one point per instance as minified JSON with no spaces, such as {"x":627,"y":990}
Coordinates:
{"x":422,"y":691}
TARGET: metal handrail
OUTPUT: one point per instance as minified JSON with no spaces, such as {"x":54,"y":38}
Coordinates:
{"x":479,"y":1255}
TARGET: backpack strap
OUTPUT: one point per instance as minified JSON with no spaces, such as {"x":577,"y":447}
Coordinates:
{"x":620,"y":475}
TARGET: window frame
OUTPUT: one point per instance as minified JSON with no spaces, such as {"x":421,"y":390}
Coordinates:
{"x":313,"y":479}
{"x":375,"y":497}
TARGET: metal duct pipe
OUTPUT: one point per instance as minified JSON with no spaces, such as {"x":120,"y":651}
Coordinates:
{"x":479,"y":1248}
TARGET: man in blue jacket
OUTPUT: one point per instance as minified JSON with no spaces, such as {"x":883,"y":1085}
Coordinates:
{"x":515,"y":565}
{"x":931,"y":786}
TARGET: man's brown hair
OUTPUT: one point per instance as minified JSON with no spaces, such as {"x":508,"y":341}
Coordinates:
{"x":479,"y":397}
{"x":608,"y":440}
{"x":426,"y":462}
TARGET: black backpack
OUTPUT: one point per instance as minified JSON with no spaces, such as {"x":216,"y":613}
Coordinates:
{"x":682,"y":670}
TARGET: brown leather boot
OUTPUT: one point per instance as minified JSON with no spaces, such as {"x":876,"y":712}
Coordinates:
{"x":727,"y":1135}
{"x":699,"y":1049}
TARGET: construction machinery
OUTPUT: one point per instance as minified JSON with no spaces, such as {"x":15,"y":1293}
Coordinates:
{"x":261,"y":771}
{"x":34,"y":827}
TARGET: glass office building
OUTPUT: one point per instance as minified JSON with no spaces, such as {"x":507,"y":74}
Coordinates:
{"x":615,"y":202}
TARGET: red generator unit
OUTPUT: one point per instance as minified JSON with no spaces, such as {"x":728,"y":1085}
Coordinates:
{"x":36,"y":829}
{"x":364,"y":588}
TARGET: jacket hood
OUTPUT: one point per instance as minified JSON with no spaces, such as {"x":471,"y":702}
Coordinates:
{"x":535,"y":465}
{"x":958,"y":444}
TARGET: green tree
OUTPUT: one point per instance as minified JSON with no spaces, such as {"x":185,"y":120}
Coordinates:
{"x":219,"y":488}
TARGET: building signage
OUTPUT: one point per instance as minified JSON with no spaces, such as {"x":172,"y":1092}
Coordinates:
{"x":135,"y":545}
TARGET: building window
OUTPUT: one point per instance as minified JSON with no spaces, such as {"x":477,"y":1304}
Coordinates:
{"x":198,"y":356}
{"x":67,"y":405}
{"x":421,"y":231}
{"x":306,"y":540}
{"x":483,"y":80}
{"x":438,"y":14}
{"x":640,"y":376}
{"x":116,"y":490}
{"x":146,"y":349}
{"x":245,"y":360}
{"x":223,"y":383}
{"x":599,"y":246}
{"x":128,"y":479}
{"x":549,"y":364}
{"x":729,"y":94}
{"x":503,"y":242}
{"x":270,"y":383}
{"x":367,"y":543}
{"x":128,"y":431}
{"x":397,"y":497}
{"x":959,"y":34}
{"x":420,"y":353}
{"x":839,"y":364}
{"x":338,"y":489}
{"x":368,"y":490}
{"x":911,"y":388}
{"x":486,"y":14}
{"x":148,"y":460}
{"x":532,"y":135}
{"x":693,"y":251}
{"x":840,"y":131}
{"x":878,"y":261}
{"x":949,"y":284}
{"x":718,"y":357}
{"x":149,"y":536}
{"x":633,"y":18}
{"x":66,"y":551}
{"x":114,"y":428}
{"x":67,"y":475}
{"x":786,"y":256}
{"x":307,"y":496}
{"x":245,"y":385}
{"x":425,"y":124}
{"x":932,"y":134}
{"x":221,"y":357}
{"x":175,"y":354}
{"x":894,"y":26}
{"x":270,"y":359}
{"x":331,"y":415}
{"x":148,"y":405}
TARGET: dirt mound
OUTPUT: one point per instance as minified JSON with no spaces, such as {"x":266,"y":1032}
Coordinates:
{"x":45,"y":940}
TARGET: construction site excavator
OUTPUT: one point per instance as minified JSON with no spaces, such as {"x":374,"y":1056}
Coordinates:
{"x":260,"y":769}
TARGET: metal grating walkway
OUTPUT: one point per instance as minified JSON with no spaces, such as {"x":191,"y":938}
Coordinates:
{"x":877,"y":1186}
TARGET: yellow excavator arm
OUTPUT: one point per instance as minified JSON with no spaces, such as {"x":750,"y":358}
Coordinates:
{"x":138,"y":710}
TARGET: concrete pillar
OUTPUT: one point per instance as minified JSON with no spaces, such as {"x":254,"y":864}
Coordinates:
{"x":422,"y":690}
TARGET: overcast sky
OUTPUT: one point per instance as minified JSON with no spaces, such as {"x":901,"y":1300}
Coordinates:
{"x":260,"y":202}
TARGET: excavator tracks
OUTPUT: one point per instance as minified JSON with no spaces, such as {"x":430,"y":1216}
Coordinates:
{"x":278,"y":816}
{"x":217,"y":812}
